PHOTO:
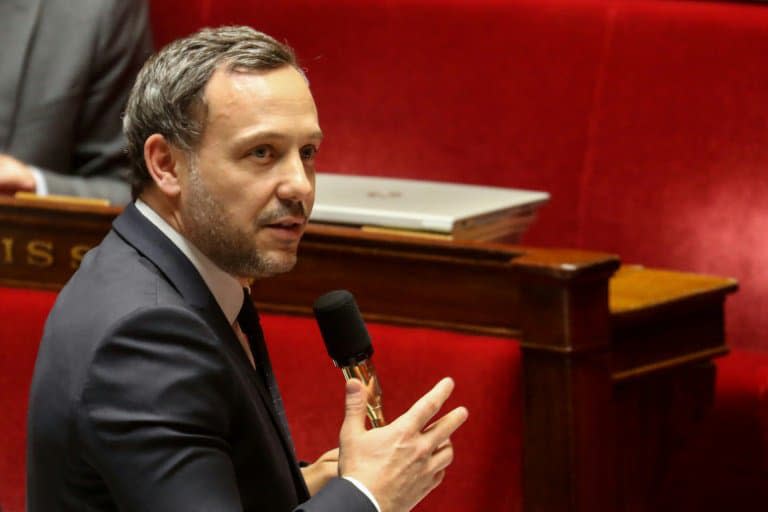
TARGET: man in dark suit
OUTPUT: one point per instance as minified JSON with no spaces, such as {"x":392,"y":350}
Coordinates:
{"x":67,"y":69}
{"x":153,"y":389}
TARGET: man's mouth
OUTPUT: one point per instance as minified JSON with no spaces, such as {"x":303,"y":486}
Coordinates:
{"x":288,"y":222}
{"x":288,"y":227}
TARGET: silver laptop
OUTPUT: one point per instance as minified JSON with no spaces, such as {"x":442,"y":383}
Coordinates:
{"x":418,"y":205}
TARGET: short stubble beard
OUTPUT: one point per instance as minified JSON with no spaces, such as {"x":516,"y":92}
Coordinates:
{"x":211,"y":229}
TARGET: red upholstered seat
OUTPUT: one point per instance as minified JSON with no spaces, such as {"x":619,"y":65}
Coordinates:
{"x":22,"y":315}
{"x":723,"y":463}
{"x":409,"y":361}
{"x":486,"y":471}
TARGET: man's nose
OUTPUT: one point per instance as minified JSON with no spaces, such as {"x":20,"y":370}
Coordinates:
{"x":295,"y":183}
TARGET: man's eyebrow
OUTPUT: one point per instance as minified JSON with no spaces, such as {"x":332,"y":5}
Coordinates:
{"x":268,"y":134}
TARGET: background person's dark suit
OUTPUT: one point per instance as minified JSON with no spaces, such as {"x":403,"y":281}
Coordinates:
{"x":67,"y":67}
{"x":162,"y":408}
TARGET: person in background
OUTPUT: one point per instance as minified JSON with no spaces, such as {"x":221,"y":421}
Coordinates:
{"x":66,"y":68}
{"x":153,"y":390}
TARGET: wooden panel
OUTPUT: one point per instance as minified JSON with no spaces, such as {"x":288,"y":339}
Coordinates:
{"x":42,"y":243}
{"x":663,"y":319}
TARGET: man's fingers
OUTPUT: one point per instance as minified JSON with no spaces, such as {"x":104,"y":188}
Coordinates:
{"x":330,"y":455}
{"x":428,"y":405}
{"x":441,"y":430}
{"x":15,"y":175}
{"x":442,"y":445}
{"x":442,"y":458}
{"x":355,"y":401}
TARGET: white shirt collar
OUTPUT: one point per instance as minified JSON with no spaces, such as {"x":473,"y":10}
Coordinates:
{"x":225,"y":288}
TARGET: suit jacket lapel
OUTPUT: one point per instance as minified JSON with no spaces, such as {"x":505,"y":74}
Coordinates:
{"x":144,"y":236}
{"x":18,"y":25}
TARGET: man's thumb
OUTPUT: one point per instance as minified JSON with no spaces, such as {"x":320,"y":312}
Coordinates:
{"x":355,"y":401}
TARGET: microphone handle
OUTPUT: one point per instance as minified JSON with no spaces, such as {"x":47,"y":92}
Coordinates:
{"x":365,"y":372}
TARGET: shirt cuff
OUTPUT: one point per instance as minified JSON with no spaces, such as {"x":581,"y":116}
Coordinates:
{"x":41,"y":187}
{"x":363,"y":489}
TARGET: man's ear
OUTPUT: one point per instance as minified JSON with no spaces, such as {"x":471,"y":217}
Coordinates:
{"x":165,"y":164}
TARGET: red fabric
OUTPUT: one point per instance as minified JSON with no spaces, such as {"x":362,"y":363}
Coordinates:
{"x":646,"y":120}
{"x":22,"y":315}
{"x":678,"y":171}
{"x":409,"y":361}
{"x":480,"y":92}
{"x":723,"y":463}
{"x":721,"y":466}
{"x":171,"y":20}
{"x":486,"y":473}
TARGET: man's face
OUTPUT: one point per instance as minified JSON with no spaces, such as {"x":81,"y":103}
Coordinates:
{"x":250,"y":185}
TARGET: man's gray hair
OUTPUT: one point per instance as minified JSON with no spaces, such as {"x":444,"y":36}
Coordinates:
{"x":168,"y":96}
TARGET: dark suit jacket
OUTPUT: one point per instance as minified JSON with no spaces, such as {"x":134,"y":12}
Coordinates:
{"x":67,"y":69}
{"x":143,"y":399}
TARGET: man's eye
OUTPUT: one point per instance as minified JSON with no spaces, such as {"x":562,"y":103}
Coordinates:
{"x":262,"y":152}
{"x":308,"y":152}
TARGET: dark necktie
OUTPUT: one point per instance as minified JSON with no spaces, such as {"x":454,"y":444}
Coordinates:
{"x":248,"y":319}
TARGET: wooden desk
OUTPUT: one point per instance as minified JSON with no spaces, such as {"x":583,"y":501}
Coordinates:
{"x":609,"y":354}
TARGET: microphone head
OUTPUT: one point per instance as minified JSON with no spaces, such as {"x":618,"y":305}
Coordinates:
{"x":341,"y":324}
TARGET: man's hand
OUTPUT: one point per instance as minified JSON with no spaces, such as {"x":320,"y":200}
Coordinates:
{"x":403,"y":461}
{"x":15,"y":176}
{"x":317,"y":474}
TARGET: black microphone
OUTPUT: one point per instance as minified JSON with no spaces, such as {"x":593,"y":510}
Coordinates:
{"x":349,"y":345}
